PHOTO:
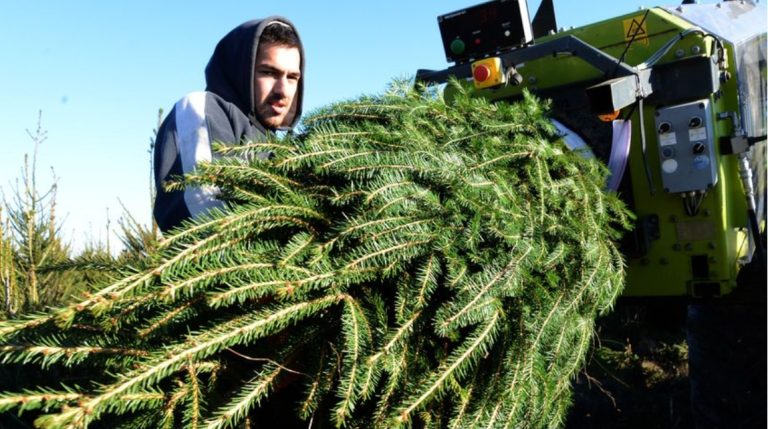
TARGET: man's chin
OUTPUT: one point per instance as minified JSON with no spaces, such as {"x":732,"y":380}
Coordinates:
{"x":272,"y":122}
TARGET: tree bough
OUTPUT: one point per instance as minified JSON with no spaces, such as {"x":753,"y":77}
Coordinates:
{"x":402,"y":261}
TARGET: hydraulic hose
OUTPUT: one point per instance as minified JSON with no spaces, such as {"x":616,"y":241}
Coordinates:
{"x":745,"y":172}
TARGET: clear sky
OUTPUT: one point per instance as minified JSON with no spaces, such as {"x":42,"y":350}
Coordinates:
{"x":100,"y":70}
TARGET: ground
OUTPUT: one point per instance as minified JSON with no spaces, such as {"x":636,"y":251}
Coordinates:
{"x":637,"y":373}
{"x":683,"y":364}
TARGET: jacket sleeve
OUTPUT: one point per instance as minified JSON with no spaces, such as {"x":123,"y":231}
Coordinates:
{"x":183,"y":141}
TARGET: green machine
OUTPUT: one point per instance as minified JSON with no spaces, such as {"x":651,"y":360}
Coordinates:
{"x":673,"y":99}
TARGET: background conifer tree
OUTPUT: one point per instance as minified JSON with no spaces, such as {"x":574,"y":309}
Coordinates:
{"x":402,"y":262}
{"x":31,"y":241}
{"x":8,"y":274}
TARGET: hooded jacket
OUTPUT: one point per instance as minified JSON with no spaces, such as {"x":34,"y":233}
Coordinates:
{"x":225,"y":112}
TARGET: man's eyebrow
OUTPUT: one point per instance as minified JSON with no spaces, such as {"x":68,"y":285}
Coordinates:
{"x":269,"y":67}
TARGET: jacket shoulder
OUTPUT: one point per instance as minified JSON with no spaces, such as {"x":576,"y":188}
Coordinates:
{"x":225,"y":122}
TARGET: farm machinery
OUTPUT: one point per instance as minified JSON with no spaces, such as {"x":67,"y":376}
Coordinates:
{"x":673,"y":100}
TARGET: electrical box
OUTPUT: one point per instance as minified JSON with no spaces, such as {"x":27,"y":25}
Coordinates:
{"x":686,"y":147}
{"x":485,"y":29}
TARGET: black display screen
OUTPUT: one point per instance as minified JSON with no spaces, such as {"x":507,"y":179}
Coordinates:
{"x":484,"y":30}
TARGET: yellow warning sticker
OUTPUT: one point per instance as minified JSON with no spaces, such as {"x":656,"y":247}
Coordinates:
{"x":636,"y":29}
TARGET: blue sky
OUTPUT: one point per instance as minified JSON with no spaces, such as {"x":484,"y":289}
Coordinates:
{"x":100,"y":70}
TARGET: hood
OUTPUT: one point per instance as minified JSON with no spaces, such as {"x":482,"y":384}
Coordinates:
{"x":229,"y":73}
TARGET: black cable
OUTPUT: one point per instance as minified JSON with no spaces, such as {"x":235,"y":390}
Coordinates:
{"x":700,"y":201}
{"x":697,"y":198}
{"x":759,"y":245}
{"x":634,"y":35}
{"x":648,"y":178}
{"x":692,"y":203}
{"x":629,"y":43}
{"x":630,"y":111}
{"x":720,"y":46}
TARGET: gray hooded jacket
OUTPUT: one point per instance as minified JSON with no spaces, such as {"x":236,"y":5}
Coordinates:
{"x":225,"y":112}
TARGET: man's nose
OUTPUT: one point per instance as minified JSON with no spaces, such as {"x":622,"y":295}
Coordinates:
{"x":280,"y":85}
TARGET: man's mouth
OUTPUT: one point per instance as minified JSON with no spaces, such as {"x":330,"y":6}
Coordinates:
{"x":278,"y":106}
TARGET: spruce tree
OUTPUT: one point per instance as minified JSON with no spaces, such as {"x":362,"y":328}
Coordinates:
{"x":402,"y":261}
{"x":31,"y":241}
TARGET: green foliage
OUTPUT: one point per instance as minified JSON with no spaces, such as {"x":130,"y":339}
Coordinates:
{"x":30,"y":241}
{"x":37,"y":266}
{"x":402,"y":262}
{"x":8,"y":271}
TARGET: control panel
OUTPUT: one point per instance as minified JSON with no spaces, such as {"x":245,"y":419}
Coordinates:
{"x":485,"y":29}
{"x":686,"y":147}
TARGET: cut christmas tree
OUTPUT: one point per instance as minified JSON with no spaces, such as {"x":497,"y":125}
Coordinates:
{"x":403,"y":261}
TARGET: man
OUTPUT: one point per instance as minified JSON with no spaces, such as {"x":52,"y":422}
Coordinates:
{"x":254,"y":86}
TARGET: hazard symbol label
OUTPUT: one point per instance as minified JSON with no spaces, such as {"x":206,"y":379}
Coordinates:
{"x":635,"y":29}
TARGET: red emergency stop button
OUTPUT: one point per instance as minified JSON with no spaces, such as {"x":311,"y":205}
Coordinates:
{"x":481,"y":73}
{"x":488,"y":72}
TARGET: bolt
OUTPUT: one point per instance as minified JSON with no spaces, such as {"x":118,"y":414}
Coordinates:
{"x":712,"y":245}
{"x":696,"y":50}
{"x":679,"y":53}
{"x":677,"y":247}
{"x":689,"y":246}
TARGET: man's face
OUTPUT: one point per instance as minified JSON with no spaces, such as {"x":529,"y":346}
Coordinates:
{"x":277,"y":74}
